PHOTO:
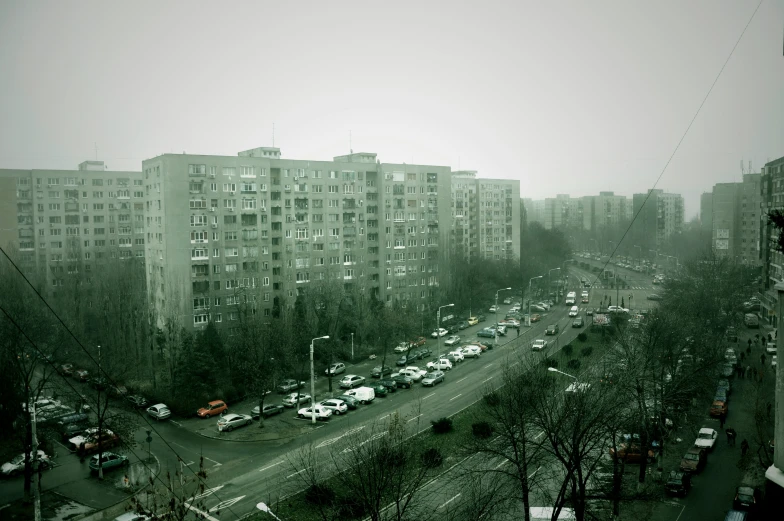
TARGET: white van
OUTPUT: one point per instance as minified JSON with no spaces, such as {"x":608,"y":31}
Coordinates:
{"x":573,"y":311}
{"x":570,"y":298}
{"x":363,"y":394}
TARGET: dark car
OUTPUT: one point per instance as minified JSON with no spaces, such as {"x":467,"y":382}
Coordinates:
{"x":380,"y":370}
{"x":720,"y":395}
{"x":404,"y":360}
{"x":67,"y":428}
{"x":653,"y":296}
{"x":269,"y":410}
{"x":746,"y":498}
{"x":423,"y":353}
{"x":137,"y":401}
{"x":351,"y":402}
{"x":727,"y":370}
{"x":481,"y":318}
{"x":288,"y":385}
{"x":486,"y":333}
{"x":678,"y":483}
{"x":589,"y":312}
{"x":402,"y":381}
{"x":99,"y":383}
{"x":552,"y":329}
{"x":379,"y":389}
{"x":390,"y":384}
{"x":725,"y":384}
{"x":462,"y":325}
{"x":694,"y":460}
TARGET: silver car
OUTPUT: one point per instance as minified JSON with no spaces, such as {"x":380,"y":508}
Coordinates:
{"x":294,"y":399}
{"x":432,"y":378}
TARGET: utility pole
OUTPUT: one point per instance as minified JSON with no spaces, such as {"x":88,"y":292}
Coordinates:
{"x":35,"y":464}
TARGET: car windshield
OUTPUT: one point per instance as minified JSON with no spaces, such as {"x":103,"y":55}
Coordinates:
{"x":430,"y":375}
{"x":691,"y":456}
{"x":705,"y":435}
{"x":17,"y":460}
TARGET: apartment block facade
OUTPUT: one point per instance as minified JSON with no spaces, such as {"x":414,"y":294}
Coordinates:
{"x":67,"y":222}
{"x":735,"y":219}
{"x":257,"y":228}
{"x":771,"y":198}
{"x":485,"y":217}
{"x":658,"y":215}
{"x":605,"y":210}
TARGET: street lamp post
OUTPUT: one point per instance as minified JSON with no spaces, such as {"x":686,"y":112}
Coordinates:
{"x":438,"y":327}
{"x":495,"y":336}
{"x":553,"y":369}
{"x":352,"y":347}
{"x":313,"y":381}
{"x":564,"y":273}
{"x":264,"y":508}
{"x":528,"y":319}
{"x":550,"y":280}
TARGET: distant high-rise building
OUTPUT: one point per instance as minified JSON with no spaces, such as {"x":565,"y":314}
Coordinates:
{"x":657,"y":216}
{"x":485,"y":216}
{"x":734,"y":218}
{"x":771,"y":198}
{"x":67,"y":222}
{"x":706,"y":211}
{"x":605,"y":210}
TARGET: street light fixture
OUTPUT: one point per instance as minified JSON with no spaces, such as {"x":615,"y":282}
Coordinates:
{"x":438,"y":326}
{"x":313,"y":381}
{"x":553,"y":369}
{"x":528,"y":320}
{"x":264,"y":508}
{"x":495,"y":337}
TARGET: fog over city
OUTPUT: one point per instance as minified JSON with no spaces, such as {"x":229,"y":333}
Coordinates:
{"x":568,"y":97}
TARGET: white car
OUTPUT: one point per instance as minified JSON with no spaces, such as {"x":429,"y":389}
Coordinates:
{"x":539,"y":344}
{"x":43,"y":404}
{"x":452,"y":340}
{"x":493,"y":309}
{"x":617,"y":309}
{"x":337,"y":407}
{"x":414,"y":375}
{"x":706,"y":439}
{"x":471,"y":351}
{"x":457,"y":354}
{"x":16,"y":465}
{"x":439,"y":332}
{"x":230,"y":422}
{"x":159,"y":411}
{"x":320,"y":412}
{"x":293,"y":399}
{"x":402,"y":347}
{"x":770,"y":348}
{"x":441,"y":364}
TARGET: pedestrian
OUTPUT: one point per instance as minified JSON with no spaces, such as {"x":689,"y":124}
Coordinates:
{"x":722,"y":417}
{"x":748,"y":372}
{"x":744,"y":447}
{"x":749,"y":344}
{"x":762,"y":359}
{"x":731,"y":436}
{"x":518,"y":331}
{"x":768,"y":407}
{"x":748,"y":350}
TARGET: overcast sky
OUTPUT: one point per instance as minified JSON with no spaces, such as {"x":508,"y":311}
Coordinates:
{"x":569,"y":97}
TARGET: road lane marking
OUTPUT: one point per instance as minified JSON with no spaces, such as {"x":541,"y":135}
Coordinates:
{"x":386,"y":416}
{"x":414,"y":418}
{"x":449,"y":501}
{"x":488,"y":365}
{"x":487,"y":379}
{"x":270,"y":466}
{"x":212,"y":460}
{"x":298,"y":472}
{"x":500,"y":464}
{"x":189,"y":463}
{"x":208,"y":492}
{"x":225,"y":504}
{"x":458,"y":396}
{"x":175,"y":423}
{"x":463,"y":378}
{"x":428,"y":396}
{"x":204,"y":515}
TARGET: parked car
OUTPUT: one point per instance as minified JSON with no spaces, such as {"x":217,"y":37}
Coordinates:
{"x":537,"y":307}
{"x":501,"y":330}
{"x":539,"y":344}
{"x":418,"y":341}
{"x":678,"y":483}
{"x":288,"y":385}
{"x":577,"y":322}
{"x":65,"y":369}
{"x":718,"y":408}
{"x":720,"y":395}
{"x":455,"y":356}
{"x":487,"y":332}
{"x":462,"y":325}
{"x":725,"y":384}
{"x":727,"y":370}
{"x":229,"y":422}
{"x":159,"y":411}
{"x":471,"y":351}
{"x":631,"y":453}
{"x":389,"y":383}
{"x":746,"y":498}
{"x":405,"y":359}
{"x":472,"y":321}
{"x":350,"y":401}
{"x":402,"y":380}
{"x":108,"y":461}
{"x":294,"y":399}
{"x":270,"y":409}
{"x":363,"y":394}
{"x":92,"y":442}
{"x":213,"y":408}
{"x":432,"y":378}
{"x":442,"y":364}
{"x":414,"y":372}
{"x":508,"y":300}
{"x":421,"y":354}
{"x":653,"y":296}
{"x":321,"y":413}
{"x":452,"y":340}
{"x":493,"y":308}
{"x":694,"y":460}
{"x":552,"y":329}
{"x":82,"y":375}
{"x":335,"y":369}
{"x":706,"y":439}
{"x":379,"y":371}
{"x":481,"y":318}
{"x":352,"y":380}
{"x":379,"y":389}
{"x":71,"y":425}
{"x":17,"y":464}
{"x":535,"y":317}
{"x":402,"y":347}
{"x":335,"y":405}
{"x":137,"y":401}
{"x":439,"y":332}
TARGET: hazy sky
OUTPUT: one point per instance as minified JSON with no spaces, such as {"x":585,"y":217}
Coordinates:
{"x":569,"y":97}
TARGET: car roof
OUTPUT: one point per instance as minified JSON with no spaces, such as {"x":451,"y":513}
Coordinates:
{"x":231,"y":416}
{"x":160,"y":405}
{"x":706,"y":430}
{"x":215,"y":402}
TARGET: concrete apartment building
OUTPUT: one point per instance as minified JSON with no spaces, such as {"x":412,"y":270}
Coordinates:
{"x":771,"y":198}
{"x":605,"y":210}
{"x":706,"y":211}
{"x":66,"y":222}
{"x":259,"y":228}
{"x":485,"y":217}
{"x":659,"y":215}
{"x":734,"y":218}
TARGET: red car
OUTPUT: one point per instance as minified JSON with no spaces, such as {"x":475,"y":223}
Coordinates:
{"x":535,"y":317}
{"x":719,"y":408}
{"x":631,"y":453}
{"x":418,"y":342}
{"x":213,"y":408}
